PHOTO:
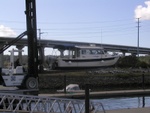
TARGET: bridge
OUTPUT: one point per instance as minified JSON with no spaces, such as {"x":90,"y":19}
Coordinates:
{"x":51,"y":43}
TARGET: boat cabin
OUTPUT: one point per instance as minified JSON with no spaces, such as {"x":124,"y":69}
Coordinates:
{"x":80,"y":51}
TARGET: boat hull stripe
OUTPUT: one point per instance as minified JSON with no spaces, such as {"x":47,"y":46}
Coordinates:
{"x":88,"y":60}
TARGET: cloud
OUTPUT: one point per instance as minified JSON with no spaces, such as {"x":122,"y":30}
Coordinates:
{"x":143,"y":12}
{"x":6,"y":31}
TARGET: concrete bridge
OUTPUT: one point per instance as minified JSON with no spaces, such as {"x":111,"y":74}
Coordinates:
{"x":51,"y":43}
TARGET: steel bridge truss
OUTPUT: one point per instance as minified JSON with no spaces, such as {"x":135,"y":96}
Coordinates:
{"x":31,"y":104}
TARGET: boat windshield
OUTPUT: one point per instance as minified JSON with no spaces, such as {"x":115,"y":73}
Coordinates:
{"x":92,"y":51}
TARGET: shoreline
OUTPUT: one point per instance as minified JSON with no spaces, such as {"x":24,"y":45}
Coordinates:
{"x":103,"y":79}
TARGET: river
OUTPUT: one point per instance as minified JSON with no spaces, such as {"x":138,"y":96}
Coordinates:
{"x":124,"y":102}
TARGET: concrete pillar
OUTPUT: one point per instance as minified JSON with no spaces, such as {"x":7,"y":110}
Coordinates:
{"x":1,"y":57}
{"x":1,"y":64}
{"x":133,"y":54}
{"x":41,"y":58}
{"x":124,"y":54}
{"x":61,"y":52}
{"x":1,"y":60}
{"x":20,"y":47}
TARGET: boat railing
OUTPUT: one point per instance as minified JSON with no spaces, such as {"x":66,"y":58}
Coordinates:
{"x":17,"y":103}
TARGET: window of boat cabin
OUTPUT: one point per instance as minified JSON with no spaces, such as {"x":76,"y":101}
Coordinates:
{"x":92,"y":51}
{"x":72,"y":53}
{"x":100,"y":51}
{"x":86,"y":51}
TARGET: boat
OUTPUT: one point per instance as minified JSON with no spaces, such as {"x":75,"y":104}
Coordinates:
{"x":72,"y":56}
{"x":72,"y":88}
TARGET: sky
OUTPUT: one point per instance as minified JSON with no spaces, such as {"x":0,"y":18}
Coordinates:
{"x":93,"y":21}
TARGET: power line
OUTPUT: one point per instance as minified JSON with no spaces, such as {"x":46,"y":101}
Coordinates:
{"x":89,"y":22}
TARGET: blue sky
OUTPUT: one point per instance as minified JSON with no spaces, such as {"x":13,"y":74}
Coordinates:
{"x":95,"y":21}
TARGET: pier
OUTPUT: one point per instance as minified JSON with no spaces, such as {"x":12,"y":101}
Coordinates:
{"x":15,"y":90}
{"x":133,"y":110}
{"x":14,"y":100}
{"x":101,"y":94}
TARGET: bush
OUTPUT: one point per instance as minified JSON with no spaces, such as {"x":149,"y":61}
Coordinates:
{"x":131,"y":61}
{"x":128,"y":61}
{"x":142,"y":64}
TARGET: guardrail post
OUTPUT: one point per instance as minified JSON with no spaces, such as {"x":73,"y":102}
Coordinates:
{"x":65,"y":84}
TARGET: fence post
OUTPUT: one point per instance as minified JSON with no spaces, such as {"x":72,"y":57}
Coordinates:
{"x":87,"y":98}
{"x":65,"y":84}
{"x":143,"y":81}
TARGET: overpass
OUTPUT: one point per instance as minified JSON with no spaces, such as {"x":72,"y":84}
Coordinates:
{"x":51,"y":43}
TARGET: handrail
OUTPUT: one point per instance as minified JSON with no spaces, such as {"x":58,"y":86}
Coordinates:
{"x":6,"y":46}
{"x":17,"y":103}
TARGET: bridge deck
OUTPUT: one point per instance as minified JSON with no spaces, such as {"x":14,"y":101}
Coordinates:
{"x":52,"y":43}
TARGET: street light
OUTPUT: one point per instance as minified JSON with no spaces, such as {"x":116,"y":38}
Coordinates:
{"x":138,"y":36}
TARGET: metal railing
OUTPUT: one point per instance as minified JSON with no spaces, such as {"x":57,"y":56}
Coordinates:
{"x":16,"y":103}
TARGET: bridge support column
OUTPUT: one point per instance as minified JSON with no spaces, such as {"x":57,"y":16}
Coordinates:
{"x":133,"y":54}
{"x":61,"y":52}
{"x":124,"y":53}
{"x":41,"y":58}
{"x":20,"y":47}
{"x":1,"y":65}
{"x":1,"y":58}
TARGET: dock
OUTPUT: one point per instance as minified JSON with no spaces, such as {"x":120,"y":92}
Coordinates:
{"x":102,"y":94}
{"x":133,"y":110}
{"x":15,"y":90}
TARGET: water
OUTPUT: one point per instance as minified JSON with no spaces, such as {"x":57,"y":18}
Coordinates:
{"x":120,"y":103}
{"x":124,"y":102}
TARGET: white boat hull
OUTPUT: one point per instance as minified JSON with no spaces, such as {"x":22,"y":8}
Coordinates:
{"x":87,"y":62}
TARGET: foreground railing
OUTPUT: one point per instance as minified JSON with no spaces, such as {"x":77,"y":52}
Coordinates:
{"x":16,"y":103}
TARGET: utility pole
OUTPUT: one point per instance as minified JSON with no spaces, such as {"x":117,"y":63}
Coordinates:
{"x":138,"y":36}
{"x":41,"y":52}
{"x":40,"y":36}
